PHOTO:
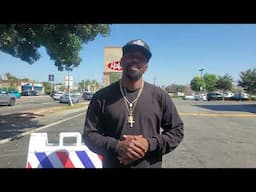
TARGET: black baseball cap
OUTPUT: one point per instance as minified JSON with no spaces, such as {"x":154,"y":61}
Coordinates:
{"x":137,"y":44}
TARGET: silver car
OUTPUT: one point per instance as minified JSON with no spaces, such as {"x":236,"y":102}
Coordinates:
{"x":7,"y":99}
{"x":64,"y":98}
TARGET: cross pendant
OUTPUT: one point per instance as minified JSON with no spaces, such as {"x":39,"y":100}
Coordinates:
{"x":130,"y":120}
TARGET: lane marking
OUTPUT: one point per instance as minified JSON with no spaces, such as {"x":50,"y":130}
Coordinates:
{"x":40,"y":128}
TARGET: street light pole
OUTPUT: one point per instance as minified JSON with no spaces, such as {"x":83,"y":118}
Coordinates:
{"x":201,"y":71}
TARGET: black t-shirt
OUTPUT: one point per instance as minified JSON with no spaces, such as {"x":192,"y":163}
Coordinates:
{"x":155,"y":115}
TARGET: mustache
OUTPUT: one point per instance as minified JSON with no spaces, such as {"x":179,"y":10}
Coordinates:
{"x":137,"y":65}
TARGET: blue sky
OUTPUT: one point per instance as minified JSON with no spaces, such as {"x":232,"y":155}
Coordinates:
{"x":178,"y":52}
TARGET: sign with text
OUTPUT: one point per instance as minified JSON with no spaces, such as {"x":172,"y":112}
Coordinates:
{"x":68,"y":80}
{"x":112,"y":56}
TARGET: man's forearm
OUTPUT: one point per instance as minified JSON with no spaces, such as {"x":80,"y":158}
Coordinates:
{"x":99,"y":143}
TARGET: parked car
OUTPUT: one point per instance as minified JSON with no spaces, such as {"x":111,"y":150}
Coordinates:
{"x":213,"y":96}
{"x":17,"y":94}
{"x":228,"y":95}
{"x":87,"y":95}
{"x":64,"y":98}
{"x":7,"y":99}
{"x":57,"y":95}
{"x":189,"y":97}
{"x":200,"y":97}
{"x":30,"y":93}
{"x":240,"y":96}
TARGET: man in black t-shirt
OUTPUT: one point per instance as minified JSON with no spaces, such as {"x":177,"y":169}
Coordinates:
{"x":132,"y":123}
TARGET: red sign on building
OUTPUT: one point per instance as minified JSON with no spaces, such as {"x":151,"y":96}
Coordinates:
{"x":115,"y":66}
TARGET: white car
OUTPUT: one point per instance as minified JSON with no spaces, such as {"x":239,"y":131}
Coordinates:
{"x":200,"y":97}
{"x":228,"y":95}
{"x":189,"y":97}
{"x":57,"y":95}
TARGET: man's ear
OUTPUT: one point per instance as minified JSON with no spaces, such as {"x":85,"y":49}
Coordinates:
{"x":121,"y":62}
{"x":145,"y":67}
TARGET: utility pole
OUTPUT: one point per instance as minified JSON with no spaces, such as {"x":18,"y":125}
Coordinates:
{"x":83,"y":85}
{"x":69,"y":98}
{"x":154,"y":80}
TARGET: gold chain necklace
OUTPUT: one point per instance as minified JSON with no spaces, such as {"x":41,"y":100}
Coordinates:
{"x":130,"y":105}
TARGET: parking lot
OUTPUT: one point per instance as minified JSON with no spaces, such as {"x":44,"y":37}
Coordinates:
{"x":217,"y":134}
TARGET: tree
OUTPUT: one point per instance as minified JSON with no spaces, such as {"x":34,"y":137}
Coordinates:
{"x":197,"y":83}
{"x":224,"y":83}
{"x":11,"y":77}
{"x":62,"y":88}
{"x":210,"y":82}
{"x":114,"y":76}
{"x":63,"y":42}
{"x":13,"y":81}
{"x":248,"y":80}
{"x":173,"y":88}
{"x":83,"y":85}
{"x":47,"y":87}
{"x":26,"y":79}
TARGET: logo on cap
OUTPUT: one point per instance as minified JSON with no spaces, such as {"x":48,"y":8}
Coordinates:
{"x":138,"y":42}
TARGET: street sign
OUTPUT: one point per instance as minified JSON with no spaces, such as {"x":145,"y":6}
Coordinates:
{"x":69,"y":81}
{"x":51,"y":77}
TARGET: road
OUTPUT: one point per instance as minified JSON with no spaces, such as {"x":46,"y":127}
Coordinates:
{"x":29,"y":103}
{"x":14,"y":154}
{"x":217,"y":135}
{"x":30,"y":112}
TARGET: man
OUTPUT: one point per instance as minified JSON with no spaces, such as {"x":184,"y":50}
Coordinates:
{"x":131,"y":122}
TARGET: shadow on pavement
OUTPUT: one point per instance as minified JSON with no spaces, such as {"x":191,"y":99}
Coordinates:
{"x":251,"y":108}
{"x":13,"y":124}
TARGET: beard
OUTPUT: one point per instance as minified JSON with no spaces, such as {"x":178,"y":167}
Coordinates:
{"x":132,"y":74}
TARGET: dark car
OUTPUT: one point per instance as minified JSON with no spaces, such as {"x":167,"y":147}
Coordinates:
{"x":30,"y":93}
{"x":87,"y":95}
{"x":213,"y":96}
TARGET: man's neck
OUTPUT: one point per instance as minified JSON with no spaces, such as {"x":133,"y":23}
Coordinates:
{"x":130,"y":84}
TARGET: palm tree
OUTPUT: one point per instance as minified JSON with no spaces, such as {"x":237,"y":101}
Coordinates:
{"x":13,"y":81}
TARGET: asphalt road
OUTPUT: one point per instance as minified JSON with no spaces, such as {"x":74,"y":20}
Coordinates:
{"x":30,"y":112}
{"x":26,"y":103}
{"x":13,"y":154}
